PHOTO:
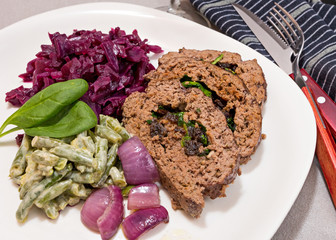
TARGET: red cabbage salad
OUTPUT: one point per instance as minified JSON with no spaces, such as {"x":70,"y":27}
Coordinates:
{"x":112,"y":63}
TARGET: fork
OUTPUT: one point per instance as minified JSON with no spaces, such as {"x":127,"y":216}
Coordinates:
{"x":290,"y":32}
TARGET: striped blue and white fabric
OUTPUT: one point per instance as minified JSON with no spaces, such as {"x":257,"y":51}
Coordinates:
{"x":317,"y":20}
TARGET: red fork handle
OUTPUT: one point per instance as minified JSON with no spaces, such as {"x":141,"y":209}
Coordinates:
{"x":325,"y":150}
{"x":326,"y":105}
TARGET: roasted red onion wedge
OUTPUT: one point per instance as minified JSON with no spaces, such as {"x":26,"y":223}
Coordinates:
{"x":137,"y":164}
{"x":103,"y":211}
{"x":143,"y":196}
{"x":143,"y":220}
{"x":94,"y":207}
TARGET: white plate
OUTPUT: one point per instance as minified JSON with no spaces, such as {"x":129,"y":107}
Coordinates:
{"x":259,"y":199}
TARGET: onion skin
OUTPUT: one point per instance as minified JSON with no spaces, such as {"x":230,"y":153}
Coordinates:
{"x":103,"y":211}
{"x":143,"y":196}
{"x":137,"y":163}
{"x":94,"y":207}
{"x":143,"y":220}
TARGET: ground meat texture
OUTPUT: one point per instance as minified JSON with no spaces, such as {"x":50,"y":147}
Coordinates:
{"x":243,"y":93}
{"x":187,"y":178}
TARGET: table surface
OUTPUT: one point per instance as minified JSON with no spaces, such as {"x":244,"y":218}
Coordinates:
{"x":312,"y":216}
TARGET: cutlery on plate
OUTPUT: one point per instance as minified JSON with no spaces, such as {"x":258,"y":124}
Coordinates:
{"x":284,"y":40}
{"x":274,"y":45}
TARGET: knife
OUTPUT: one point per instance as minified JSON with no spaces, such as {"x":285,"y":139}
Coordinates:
{"x":326,"y":121}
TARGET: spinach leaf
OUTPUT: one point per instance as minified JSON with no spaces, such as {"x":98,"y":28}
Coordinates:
{"x":197,"y":85}
{"x":231,"y":123}
{"x":46,"y":104}
{"x":72,"y":120}
{"x":180,"y":121}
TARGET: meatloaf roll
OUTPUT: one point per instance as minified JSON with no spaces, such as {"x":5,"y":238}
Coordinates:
{"x":188,"y":138}
{"x":248,"y":71}
{"x":236,"y":87}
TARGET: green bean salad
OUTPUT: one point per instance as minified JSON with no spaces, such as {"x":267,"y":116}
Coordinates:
{"x":53,"y":173}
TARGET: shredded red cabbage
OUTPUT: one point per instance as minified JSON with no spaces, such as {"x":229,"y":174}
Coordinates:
{"x":113,"y":64}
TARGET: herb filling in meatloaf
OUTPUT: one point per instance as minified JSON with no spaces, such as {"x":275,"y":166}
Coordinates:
{"x":194,"y":133}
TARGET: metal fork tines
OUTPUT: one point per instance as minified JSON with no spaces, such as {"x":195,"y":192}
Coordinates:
{"x":287,"y":28}
{"x":290,"y":32}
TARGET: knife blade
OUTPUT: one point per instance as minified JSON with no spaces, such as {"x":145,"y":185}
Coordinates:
{"x":326,"y":146}
{"x":275,"y":46}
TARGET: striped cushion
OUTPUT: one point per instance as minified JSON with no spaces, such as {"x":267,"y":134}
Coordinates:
{"x":317,"y":20}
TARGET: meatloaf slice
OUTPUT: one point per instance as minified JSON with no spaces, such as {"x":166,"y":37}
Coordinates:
{"x":234,"y":95}
{"x":189,"y":170}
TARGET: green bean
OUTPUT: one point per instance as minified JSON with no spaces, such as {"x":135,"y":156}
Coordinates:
{"x":115,"y":125}
{"x":61,"y":163}
{"x":84,"y":143}
{"x":92,"y":135}
{"x":111,"y":160}
{"x":84,"y":169}
{"x":77,"y":143}
{"x":28,"y":180}
{"x":45,"y":170}
{"x":29,"y":198}
{"x":73,"y":201}
{"x":44,"y":157}
{"x":72,"y":154}
{"x":31,"y":165}
{"x":106,"y":132}
{"x":62,"y":201}
{"x":107,"y":182}
{"x":86,"y":178}
{"x":31,"y":176}
{"x":65,"y":199}
{"x":67,"y":140}
{"x":89,"y":144}
{"x":79,"y":190}
{"x":125,"y":191}
{"x":19,"y":163}
{"x":45,"y":142}
{"x":118,"y":177}
{"x":99,"y":162}
{"x":51,"y":209}
{"x":52,"y":192}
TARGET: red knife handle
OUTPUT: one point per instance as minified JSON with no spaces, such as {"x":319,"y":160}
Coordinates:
{"x":326,"y":105}
{"x":325,"y":150}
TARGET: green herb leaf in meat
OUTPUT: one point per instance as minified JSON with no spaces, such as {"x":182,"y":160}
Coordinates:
{"x":198,"y":85}
{"x":218,"y":59}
